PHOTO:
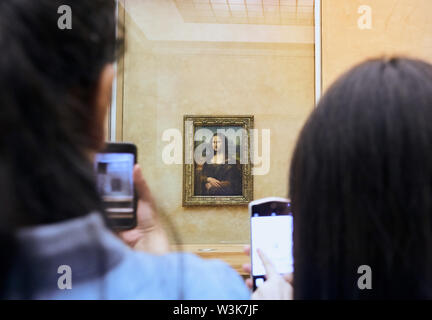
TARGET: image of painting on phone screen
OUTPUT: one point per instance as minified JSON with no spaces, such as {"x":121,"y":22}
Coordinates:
{"x":115,"y":181}
{"x":272,"y":235}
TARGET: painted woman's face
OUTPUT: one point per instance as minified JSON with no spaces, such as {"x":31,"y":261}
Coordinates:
{"x":217,"y":143}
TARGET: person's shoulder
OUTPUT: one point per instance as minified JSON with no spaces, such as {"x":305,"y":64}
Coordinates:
{"x":211,"y":279}
{"x":197,"y":279}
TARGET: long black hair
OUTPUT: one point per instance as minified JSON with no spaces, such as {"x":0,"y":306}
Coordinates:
{"x":361,"y":185}
{"x":47,"y":80}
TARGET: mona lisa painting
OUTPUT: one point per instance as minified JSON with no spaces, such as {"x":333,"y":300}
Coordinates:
{"x":217,"y":168}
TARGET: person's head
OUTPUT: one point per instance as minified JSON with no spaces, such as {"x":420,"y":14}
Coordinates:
{"x":219,"y":143}
{"x":361,"y":185}
{"x":55,"y":88}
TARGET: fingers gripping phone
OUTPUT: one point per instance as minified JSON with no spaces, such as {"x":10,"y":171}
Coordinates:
{"x":271,"y":232}
{"x":114,"y":178}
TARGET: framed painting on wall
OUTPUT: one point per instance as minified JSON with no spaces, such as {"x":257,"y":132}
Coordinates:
{"x":216,"y":160}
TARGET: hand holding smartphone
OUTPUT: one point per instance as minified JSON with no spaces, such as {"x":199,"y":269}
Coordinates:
{"x":271,"y":232}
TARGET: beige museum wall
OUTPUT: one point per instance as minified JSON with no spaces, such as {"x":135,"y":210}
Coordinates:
{"x":398,"y":27}
{"x":160,"y":81}
{"x":164,"y":80}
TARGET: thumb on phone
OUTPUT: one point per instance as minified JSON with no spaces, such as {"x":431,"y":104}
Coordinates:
{"x":270,"y":269}
{"x":275,"y":287}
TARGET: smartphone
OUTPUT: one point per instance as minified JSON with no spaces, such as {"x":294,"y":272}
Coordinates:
{"x":271,"y":232}
{"x":114,"y":178}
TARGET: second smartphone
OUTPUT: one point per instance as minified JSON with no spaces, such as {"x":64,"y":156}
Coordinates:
{"x":114,"y":177}
{"x":271,"y":232}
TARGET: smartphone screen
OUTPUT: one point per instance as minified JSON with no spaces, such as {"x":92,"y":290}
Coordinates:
{"x":114,"y":178}
{"x":271,"y":231}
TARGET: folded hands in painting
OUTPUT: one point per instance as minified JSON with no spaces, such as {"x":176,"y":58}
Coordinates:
{"x":213,"y":183}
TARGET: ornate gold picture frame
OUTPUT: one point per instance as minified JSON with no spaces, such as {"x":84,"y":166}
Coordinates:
{"x":217,"y":167}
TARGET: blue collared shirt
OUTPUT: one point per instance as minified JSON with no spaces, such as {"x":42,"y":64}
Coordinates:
{"x":103,"y":267}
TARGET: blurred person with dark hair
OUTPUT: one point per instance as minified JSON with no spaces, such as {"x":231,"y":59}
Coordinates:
{"x":361,"y":186}
{"x":55,"y":90}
